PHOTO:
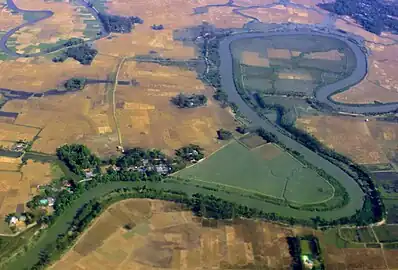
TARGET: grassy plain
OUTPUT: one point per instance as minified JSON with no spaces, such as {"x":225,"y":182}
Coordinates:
{"x":260,"y":171}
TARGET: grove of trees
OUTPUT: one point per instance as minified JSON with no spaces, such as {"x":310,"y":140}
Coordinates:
{"x":84,"y":54}
{"x":189,"y":101}
{"x":119,"y":24}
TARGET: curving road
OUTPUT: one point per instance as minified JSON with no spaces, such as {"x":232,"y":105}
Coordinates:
{"x":37,"y":16}
{"x":324,"y":93}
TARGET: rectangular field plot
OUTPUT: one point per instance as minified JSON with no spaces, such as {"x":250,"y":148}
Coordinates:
{"x":392,"y":211}
{"x":388,"y":183}
{"x":294,"y":64}
{"x":265,"y":170}
{"x":252,"y":140}
{"x":361,"y":235}
{"x":387,"y":233}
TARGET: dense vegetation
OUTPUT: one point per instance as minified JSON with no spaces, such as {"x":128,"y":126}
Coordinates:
{"x":266,"y":135}
{"x":83,"y":53}
{"x":157,"y":27}
{"x":75,"y":84}
{"x":295,"y":252}
{"x":119,"y":24}
{"x":78,"y":158}
{"x":374,"y":16}
{"x":224,"y":135}
{"x":190,"y":153}
{"x":150,"y":163}
{"x":189,"y":101}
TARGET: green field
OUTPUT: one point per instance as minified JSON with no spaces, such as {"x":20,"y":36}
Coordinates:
{"x":266,"y":170}
{"x":387,"y":233}
{"x":294,"y":64}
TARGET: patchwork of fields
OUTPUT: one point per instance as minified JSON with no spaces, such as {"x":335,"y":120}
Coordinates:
{"x":290,"y":64}
{"x":145,"y":234}
{"x":164,"y":235}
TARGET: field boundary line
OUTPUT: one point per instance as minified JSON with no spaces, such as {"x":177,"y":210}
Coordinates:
{"x":201,"y":160}
{"x":18,"y":233}
{"x":305,"y":166}
{"x":229,"y":186}
{"x":119,"y":135}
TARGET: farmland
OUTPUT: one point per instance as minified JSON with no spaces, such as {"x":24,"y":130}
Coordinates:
{"x":287,"y":67}
{"x":183,"y":241}
{"x":337,"y":133}
{"x":164,"y":235}
{"x":278,"y":181}
{"x":260,"y":171}
{"x":19,"y":183}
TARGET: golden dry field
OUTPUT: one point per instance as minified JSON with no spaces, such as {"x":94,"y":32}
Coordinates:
{"x":282,"y":14}
{"x":254,"y":59}
{"x":13,"y":132}
{"x":89,"y":122}
{"x":354,"y":137}
{"x":148,"y":119}
{"x":7,"y":19}
{"x":381,"y":82}
{"x":41,"y":74}
{"x":163,"y":236}
{"x":18,"y":186}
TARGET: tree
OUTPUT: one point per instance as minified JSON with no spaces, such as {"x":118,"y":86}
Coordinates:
{"x":242,"y":129}
{"x":189,"y":101}
{"x":74,"y":84}
{"x":224,"y":134}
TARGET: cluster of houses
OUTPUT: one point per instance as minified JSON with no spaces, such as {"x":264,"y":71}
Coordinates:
{"x":162,"y":168}
{"x":15,"y":219}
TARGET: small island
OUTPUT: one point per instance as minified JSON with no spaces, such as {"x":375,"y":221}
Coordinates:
{"x":189,"y":101}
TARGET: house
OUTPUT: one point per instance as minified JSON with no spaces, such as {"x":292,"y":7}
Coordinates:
{"x":88,"y":173}
{"x":115,"y":168}
{"x":43,"y":202}
{"x":13,"y":220}
{"x":51,"y":201}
